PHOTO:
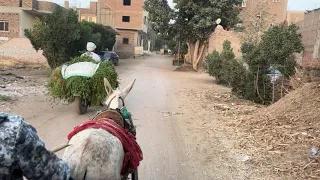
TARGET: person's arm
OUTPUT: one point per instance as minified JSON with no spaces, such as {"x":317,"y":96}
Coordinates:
{"x":35,"y":161}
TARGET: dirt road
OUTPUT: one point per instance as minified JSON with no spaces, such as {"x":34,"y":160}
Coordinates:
{"x":180,"y":136}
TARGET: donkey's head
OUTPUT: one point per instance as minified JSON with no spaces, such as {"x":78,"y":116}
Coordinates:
{"x":116,"y":97}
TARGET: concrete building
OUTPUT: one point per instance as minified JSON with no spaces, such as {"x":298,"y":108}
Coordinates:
{"x":310,"y":31}
{"x":130,"y":20}
{"x":294,"y":16}
{"x":254,"y":10}
{"x":88,"y":14}
{"x":18,"y":15}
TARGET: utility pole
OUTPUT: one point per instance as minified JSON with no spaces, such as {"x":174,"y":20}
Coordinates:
{"x":179,"y":53}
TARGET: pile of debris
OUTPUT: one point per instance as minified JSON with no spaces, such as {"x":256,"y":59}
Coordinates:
{"x":285,"y":137}
{"x":14,"y":86}
{"x":185,"y":68}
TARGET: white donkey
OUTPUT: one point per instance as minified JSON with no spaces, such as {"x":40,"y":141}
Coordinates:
{"x":96,"y":154}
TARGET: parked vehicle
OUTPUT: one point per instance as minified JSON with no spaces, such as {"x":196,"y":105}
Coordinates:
{"x":109,"y":56}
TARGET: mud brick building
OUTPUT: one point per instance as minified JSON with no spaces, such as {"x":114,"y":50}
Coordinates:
{"x":129,"y":19}
{"x":295,"y":16}
{"x":310,"y":31}
{"x":276,"y":9}
{"x":87,"y":14}
{"x":18,"y":15}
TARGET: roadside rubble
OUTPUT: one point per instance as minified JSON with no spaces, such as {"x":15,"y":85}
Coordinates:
{"x":17,"y":82}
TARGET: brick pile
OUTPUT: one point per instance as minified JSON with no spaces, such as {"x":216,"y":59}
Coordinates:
{"x":22,"y":50}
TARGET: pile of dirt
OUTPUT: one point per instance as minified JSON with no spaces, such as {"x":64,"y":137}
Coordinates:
{"x":285,"y":137}
{"x":185,"y":68}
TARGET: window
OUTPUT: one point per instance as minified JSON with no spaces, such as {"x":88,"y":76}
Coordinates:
{"x":244,"y":3}
{"x":4,"y":26}
{"x":276,"y":0}
{"x":125,"y":41}
{"x":127,"y":2}
{"x":20,"y":3}
{"x":90,"y":19}
{"x":125,"y":18}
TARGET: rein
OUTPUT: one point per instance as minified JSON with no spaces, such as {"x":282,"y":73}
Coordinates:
{"x":112,"y":100}
{"x":59,"y":148}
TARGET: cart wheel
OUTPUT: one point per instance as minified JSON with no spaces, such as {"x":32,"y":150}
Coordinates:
{"x":80,"y":104}
{"x":134,"y":175}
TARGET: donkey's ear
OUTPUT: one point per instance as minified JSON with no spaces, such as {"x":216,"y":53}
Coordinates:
{"x":127,"y":89}
{"x":107,"y":86}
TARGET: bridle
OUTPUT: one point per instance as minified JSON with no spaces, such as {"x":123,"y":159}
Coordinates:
{"x":112,"y":100}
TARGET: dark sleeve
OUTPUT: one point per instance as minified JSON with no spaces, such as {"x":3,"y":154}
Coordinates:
{"x":35,"y":160}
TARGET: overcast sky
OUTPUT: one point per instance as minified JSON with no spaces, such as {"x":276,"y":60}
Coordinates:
{"x":296,"y":5}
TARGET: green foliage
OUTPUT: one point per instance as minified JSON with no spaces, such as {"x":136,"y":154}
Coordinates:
{"x":62,"y":37}
{"x":88,"y":88}
{"x":160,"y":14}
{"x":193,"y":19}
{"x":103,"y":37}
{"x":227,"y":56}
{"x":276,"y":49}
{"x":214,"y":66}
{"x":226,"y":69}
{"x":278,"y":46}
{"x":160,"y":41}
{"x":56,"y":35}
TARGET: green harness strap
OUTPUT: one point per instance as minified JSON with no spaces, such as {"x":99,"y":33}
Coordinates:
{"x":127,"y":117}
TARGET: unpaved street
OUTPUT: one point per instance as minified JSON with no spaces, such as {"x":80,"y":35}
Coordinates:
{"x":180,"y":136}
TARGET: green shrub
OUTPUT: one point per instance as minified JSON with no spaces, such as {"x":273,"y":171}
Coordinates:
{"x":88,"y":88}
{"x":61,"y":36}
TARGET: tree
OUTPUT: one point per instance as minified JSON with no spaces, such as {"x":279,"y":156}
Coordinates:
{"x":57,"y":35}
{"x":103,"y":36}
{"x":226,"y":68}
{"x":275,"y":50}
{"x":62,"y":37}
{"x":160,"y":15}
{"x":193,"y":21}
{"x":279,"y":45}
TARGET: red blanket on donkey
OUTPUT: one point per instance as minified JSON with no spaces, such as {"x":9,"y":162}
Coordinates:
{"x":133,"y":153}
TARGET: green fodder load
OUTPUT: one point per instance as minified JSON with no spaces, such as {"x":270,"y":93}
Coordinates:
{"x":88,"y":88}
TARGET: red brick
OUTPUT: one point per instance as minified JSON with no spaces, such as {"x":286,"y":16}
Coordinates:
{"x":13,"y":20}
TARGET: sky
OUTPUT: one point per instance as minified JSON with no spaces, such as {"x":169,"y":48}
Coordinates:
{"x":293,"y":5}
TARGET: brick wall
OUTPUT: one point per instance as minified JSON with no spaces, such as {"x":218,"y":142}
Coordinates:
{"x":217,"y":39}
{"x":46,"y":6}
{"x":106,"y":4}
{"x":12,"y":3}
{"x":136,"y":20}
{"x":294,"y":16}
{"x":126,"y":50}
{"x":30,"y":4}
{"x":92,"y":10}
{"x":276,"y":10}
{"x":13,"y":20}
{"x":310,"y":31}
{"x":135,"y":11}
